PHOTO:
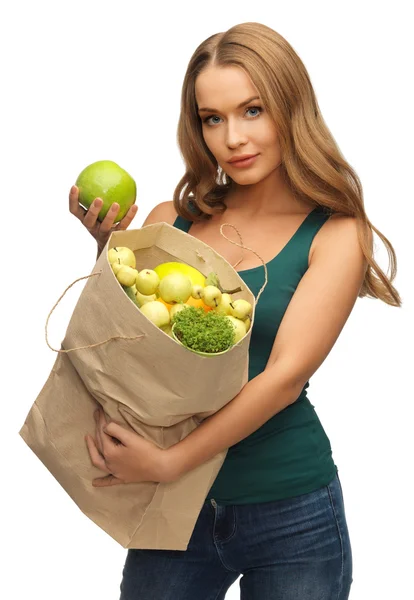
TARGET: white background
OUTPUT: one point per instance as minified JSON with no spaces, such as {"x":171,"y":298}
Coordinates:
{"x":91,"y":80}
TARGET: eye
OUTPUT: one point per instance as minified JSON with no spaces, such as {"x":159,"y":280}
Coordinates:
{"x":255,"y":108}
{"x":258,"y":108}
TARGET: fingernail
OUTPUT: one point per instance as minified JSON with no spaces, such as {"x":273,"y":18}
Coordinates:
{"x":114,"y":207}
{"x":97,"y":202}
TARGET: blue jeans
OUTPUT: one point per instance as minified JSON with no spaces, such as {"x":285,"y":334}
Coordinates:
{"x":292,"y":549}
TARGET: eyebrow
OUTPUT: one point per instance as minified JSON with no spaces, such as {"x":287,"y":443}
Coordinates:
{"x":239,"y":106}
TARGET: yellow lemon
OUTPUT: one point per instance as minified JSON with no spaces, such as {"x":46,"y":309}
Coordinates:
{"x":167,"y":268}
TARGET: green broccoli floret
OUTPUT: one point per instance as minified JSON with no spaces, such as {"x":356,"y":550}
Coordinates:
{"x":201,"y":331}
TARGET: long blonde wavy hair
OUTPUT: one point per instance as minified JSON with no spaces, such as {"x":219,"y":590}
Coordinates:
{"x":312,"y":164}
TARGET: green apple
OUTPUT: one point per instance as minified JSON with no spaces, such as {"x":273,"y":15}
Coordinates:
{"x":211,"y":296}
{"x":239,"y":328}
{"x":106,"y":180}
{"x":175,"y":287}
{"x":157,"y":313}
{"x":123,"y":255}
{"x":126,"y":275}
{"x":240,"y":309}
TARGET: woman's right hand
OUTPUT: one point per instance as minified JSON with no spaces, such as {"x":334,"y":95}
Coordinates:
{"x":88,"y":218}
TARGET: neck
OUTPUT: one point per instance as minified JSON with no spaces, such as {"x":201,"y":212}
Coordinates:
{"x":271,"y":196}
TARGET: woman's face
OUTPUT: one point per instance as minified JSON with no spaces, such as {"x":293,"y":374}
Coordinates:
{"x":230,"y":129}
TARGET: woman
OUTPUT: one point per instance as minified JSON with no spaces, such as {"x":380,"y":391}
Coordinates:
{"x":275,"y":513}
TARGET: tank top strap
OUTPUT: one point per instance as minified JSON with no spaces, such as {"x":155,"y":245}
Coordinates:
{"x":181,"y":223}
{"x":313,"y":222}
{"x":302,"y":240}
{"x":185,"y":224}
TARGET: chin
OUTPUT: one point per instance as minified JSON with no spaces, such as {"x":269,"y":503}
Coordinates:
{"x":247,"y":179}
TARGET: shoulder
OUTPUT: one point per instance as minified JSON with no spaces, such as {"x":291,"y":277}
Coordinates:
{"x":339,"y":232}
{"x":163,"y":212}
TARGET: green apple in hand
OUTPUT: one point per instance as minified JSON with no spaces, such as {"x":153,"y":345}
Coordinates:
{"x":106,"y":180}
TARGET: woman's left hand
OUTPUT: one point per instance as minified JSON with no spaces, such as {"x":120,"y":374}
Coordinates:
{"x":124,"y":455}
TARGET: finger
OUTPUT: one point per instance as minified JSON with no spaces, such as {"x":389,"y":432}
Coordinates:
{"x":126,"y":221}
{"x":107,"y":444}
{"x":108,"y":221}
{"x":98,"y":441}
{"x":92,"y":214}
{"x":119,"y":432}
{"x":106,"y":481}
{"x":74,"y":207}
{"x":96,"y":458}
{"x":100,"y":424}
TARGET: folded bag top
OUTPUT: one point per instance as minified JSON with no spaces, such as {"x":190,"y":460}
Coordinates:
{"x":154,"y":372}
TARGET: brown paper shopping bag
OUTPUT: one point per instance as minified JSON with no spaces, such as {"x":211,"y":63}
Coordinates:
{"x":142,"y":378}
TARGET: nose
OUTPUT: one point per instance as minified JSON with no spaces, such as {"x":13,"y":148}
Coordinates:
{"x":235,"y":136}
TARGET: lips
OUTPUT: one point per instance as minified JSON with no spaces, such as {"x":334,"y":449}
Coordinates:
{"x":241,"y":157}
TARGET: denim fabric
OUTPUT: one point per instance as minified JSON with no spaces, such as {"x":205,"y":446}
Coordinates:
{"x":292,"y":549}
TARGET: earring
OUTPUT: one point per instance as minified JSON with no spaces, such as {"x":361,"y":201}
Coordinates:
{"x":221,"y":178}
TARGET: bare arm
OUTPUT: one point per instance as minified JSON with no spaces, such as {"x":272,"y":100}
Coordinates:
{"x":310,"y":327}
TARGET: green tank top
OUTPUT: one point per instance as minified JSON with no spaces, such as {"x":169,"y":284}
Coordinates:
{"x":290,"y":454}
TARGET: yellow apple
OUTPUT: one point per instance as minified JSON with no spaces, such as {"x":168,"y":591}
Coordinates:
{"x":157,"y":313}
{"x":175,"y":287}
{"x":123,"y":255}
{"x":147,"y":282}
{"x":212,"y":296}
{"x":143,"y":299}
{"x":240,"y":308}
{"x":126,"y":275}
{"x":239,"y":328}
